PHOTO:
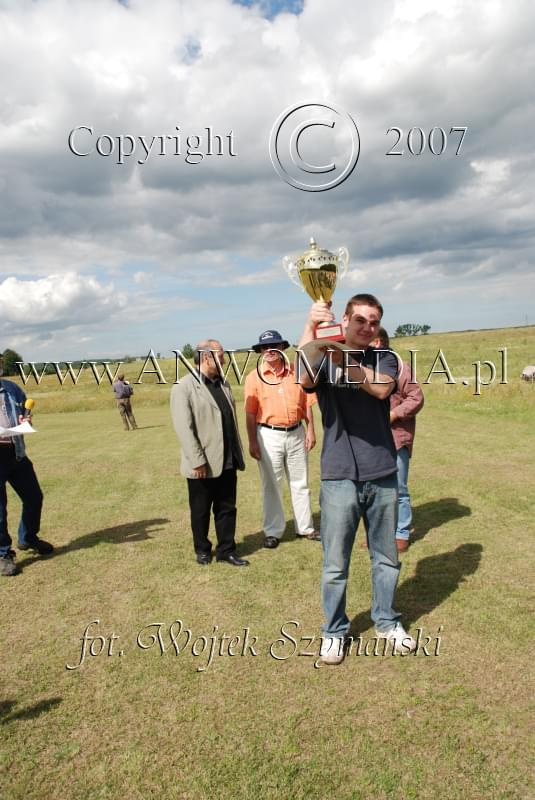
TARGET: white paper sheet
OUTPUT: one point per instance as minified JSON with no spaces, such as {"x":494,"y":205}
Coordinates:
{"x":18,"y":430}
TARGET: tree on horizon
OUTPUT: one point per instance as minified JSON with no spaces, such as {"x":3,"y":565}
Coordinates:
{"x":10,"y":361}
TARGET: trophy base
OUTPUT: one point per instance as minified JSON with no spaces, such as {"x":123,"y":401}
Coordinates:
{"x":327,"y":331}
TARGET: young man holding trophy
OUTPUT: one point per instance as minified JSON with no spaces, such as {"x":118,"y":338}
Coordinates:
{"x":358,"y":461}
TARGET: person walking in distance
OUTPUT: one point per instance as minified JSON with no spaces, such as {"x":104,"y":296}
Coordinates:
{"x":123,"y":393}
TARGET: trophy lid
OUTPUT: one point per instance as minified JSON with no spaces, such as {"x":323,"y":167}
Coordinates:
{"x":315,"y":257}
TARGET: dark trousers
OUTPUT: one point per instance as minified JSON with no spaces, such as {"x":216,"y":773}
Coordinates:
{"x":217,"y":495}
{"x":127,"y":415}
{"x":21,"y":476}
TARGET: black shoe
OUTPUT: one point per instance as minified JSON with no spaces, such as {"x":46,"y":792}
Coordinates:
{"x":7,"y":564}
{"x":271,"y":542}
{"x":203,"y":558}
{"x":235,"y":560}
{"x":314,"y":536}
{"x":38,"y":546}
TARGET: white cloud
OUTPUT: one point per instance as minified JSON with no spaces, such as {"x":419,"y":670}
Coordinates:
{"x":492,"y":175}
{"x":58,"y":301}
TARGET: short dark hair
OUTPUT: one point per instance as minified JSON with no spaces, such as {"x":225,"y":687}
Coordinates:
{"x":384,"y":338}
{"x":362,"y":300}
{"x":204,"y":346}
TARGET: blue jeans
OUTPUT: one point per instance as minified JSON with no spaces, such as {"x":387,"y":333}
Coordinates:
{"x":403,"y":530}
{"x":21,"y":476}
{"x":343,"y":503}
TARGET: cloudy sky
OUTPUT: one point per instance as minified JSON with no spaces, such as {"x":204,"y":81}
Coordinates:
{"x":100,"y":257}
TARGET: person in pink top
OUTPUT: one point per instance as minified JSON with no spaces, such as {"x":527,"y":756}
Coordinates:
{"x":405,"y":403}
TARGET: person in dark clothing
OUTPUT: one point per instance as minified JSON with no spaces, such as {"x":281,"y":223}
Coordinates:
{"x":123,"y":392}
{"x":17,"y":470}
{"x":204,"y":417}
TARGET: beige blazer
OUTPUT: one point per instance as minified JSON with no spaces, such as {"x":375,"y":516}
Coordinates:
{"x":199,"y":427}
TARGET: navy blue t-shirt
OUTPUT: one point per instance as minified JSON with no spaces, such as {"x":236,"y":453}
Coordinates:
{"x":357,"y":440}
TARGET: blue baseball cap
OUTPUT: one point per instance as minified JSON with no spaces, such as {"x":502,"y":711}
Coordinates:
{"x":271,"y":339}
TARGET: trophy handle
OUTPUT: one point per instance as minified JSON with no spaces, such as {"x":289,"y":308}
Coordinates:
{"x":291,"y":270}
{"x":343,"y":258}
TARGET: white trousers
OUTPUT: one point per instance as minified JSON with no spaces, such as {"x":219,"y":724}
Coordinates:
{"x":284,"y":453}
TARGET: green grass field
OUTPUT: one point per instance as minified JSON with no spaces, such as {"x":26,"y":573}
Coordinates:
{"x":140,"y":720}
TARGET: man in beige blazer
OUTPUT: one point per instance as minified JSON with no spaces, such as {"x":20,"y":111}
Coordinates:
{"x":204,"y":417}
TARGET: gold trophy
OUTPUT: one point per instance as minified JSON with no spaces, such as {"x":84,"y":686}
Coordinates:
{"x":316,"y":271}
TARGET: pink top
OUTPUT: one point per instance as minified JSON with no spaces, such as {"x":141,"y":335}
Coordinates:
{"x":405,"y":403}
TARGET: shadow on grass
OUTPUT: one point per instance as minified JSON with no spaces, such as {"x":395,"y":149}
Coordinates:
{"x":148,"y":427}
{"x":251,"y":543}
{"x":436,"y":578}
{"x":7,"y":715}
{"x":119,"y":534}
{"x":129,"y":532}
{"x":255,"y":541}
{"x":436,"y":513}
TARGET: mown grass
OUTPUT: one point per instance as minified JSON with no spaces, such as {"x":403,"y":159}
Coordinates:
{"x":147,"y":725}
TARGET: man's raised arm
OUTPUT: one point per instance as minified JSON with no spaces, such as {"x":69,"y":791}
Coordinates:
{"x":319,"y":312}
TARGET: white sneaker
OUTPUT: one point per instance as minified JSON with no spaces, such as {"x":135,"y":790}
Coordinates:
{"x":332,"y":649}
{"x":402,"y":642}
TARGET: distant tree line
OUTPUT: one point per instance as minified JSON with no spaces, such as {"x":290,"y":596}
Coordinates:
{"x":411,"y":329}
{"x":11,"y":357}
{"x":10,"y":361}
